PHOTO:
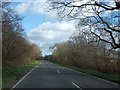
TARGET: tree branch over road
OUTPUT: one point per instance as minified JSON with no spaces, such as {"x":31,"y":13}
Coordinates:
{"x":102,"y":16}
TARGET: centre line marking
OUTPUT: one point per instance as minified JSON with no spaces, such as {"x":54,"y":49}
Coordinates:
{"x":58,"y":71}
{"x":77,"y":86}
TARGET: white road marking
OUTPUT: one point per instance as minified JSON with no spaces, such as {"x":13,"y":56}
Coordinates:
{"x":91,"y":76}
{"x":58,"y":71}
{"x":77,"y":86}
{"x":23,"y":78}
{"x":88,"y":75}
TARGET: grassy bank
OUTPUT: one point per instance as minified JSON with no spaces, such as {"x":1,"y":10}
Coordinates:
{"x":108,"y":76}
{"x":11,"y":75}
{"x":0,"y":77}
{"x":114,"y":77}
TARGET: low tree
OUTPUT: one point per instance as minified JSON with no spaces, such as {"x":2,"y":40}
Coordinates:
{"x":79,"y":53}
{"x":16,"y":49}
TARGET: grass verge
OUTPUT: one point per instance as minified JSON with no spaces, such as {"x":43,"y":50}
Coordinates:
{"x":0,"y":78}
{"x":11,"y":75}
{"x":114,"y":77}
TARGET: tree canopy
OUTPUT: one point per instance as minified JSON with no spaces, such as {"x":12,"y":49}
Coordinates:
{"x":99,"y":21}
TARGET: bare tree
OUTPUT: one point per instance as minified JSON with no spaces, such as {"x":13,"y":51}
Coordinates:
{"x":16,"y":49}
{"x":96,"y":19}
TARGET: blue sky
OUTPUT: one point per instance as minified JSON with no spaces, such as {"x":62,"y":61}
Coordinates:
{"x":30,"y":19}
{"x":42,"y":27}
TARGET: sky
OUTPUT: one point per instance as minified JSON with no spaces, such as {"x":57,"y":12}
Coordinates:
{"x":42,"y":27}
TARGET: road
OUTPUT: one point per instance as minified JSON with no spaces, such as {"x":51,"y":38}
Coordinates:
{"x":49,"y":75}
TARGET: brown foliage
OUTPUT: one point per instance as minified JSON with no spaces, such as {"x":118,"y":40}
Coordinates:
{"x":84,"y":55}
{"x":16,"y":50}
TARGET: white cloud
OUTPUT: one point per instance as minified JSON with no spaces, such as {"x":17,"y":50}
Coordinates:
{"x":48,"y":34}
{"x":37,"y":7}
{"x":28,"y":0}
{"x":42,"y":8}
{"x":23,"y":7}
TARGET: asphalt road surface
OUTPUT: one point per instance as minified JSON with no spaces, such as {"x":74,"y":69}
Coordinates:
{"x":49,"y":75}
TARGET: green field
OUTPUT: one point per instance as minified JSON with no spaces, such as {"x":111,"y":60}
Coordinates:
{"x":11,"y":75}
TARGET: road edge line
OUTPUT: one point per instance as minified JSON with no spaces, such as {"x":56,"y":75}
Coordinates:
{"x":91,"y":75}
{"x":23,"y":78}
{"x":94,"y":76}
